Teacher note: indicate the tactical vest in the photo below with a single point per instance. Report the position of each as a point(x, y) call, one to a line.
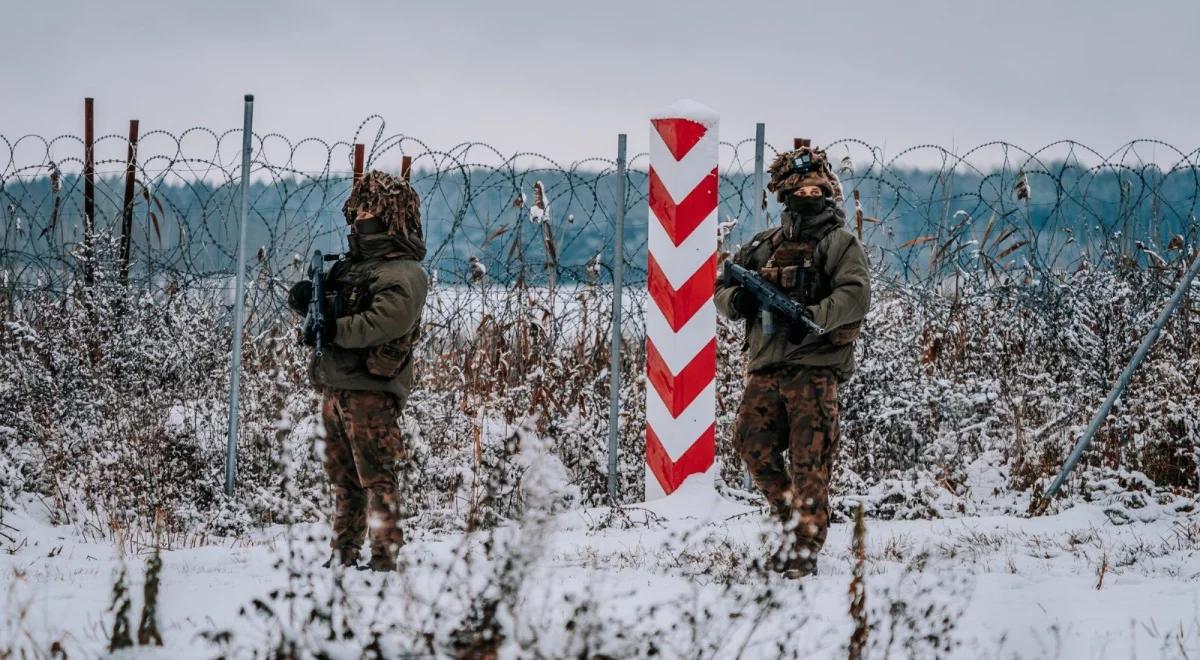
point(385, 360)
point(795, 268)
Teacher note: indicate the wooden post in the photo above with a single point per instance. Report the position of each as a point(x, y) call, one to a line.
point(858, 215)
point(127, 207)
point(801, 142)
point(359, 154)
point(89, 189)
point(406, 168)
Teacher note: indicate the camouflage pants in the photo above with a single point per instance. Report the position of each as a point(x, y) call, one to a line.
point(794, 410)
point(363, 446)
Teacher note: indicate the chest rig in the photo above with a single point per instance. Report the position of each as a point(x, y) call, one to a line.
point(348, 288)
point(351, 294)
point(793, 267)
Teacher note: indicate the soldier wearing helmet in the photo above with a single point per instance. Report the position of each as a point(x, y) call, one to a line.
point(790, 402)
point(373, 301)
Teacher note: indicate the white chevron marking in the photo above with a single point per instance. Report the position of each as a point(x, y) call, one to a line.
point(682, 177)
point(678, 349)
point(679, 434)
point(680, 263)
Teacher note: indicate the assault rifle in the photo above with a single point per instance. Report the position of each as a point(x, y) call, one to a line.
point(771, 299)
point(314, 321)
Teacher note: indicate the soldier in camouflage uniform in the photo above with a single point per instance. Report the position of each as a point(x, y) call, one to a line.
point(373, 301)
point(790, 402)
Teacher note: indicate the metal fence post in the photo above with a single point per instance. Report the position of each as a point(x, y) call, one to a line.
point(239, 307)
point(89, 190)
point(760, 142)
point(1126, 375)
point(614, 375)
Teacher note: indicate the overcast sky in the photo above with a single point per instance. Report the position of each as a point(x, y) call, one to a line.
point(564, 77)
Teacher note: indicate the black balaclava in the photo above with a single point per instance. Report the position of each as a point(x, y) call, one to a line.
point(805, 206)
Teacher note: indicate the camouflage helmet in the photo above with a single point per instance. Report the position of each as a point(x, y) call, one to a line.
point(390, 199)
point(806, 166)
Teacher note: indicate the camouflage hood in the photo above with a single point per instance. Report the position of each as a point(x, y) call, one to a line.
point(382, 205)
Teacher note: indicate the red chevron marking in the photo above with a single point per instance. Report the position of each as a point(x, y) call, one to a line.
point(679, 306)
point(697, 458)
point(679, 134)
point(678, 391)
point(681, 219)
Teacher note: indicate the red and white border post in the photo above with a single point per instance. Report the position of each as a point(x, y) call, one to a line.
point(681, 321)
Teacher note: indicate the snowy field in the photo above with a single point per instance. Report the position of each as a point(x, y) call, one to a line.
point(958, 438)
point(671, 576)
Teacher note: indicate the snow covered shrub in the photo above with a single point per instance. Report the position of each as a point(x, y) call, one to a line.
point(314, 615)
point(1052, 350)
point(114, 400)
point(1009, 374)
point(731, 369)
point(114, 407)
point(916, 614)
point(539, 354)
point(470, 601)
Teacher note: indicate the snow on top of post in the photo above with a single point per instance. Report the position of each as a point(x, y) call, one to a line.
point(688, 109)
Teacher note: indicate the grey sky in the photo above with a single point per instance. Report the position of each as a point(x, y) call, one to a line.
point(563, 77)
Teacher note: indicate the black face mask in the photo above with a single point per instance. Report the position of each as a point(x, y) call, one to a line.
point(805, 206)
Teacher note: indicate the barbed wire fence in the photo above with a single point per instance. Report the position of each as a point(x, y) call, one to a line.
point(928, 212)
point(936, 222)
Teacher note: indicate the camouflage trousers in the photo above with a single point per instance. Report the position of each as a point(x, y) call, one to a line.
point(793, 410)
point(363, 447)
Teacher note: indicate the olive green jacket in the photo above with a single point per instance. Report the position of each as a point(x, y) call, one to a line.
point(383, 296)
point(844, 262)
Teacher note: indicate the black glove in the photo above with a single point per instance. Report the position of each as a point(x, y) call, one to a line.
point(798, 330)
point(302, 291)
point(328, 332)
point(300, 295)
point(744, 303)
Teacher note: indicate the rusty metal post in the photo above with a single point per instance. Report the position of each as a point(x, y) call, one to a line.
point(359, 157)
point(801, 142)
point(858, 214)
point(127, 207)
point(89, 189)
point(406, 168)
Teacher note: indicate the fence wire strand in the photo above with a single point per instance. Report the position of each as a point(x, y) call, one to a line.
point(930, 217)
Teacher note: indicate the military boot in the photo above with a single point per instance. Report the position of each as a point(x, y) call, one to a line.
point(800, 568)
point(344, 556)
point(382, 564)
point(792, 562)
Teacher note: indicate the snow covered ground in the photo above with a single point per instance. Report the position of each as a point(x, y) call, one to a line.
point(671, 575)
